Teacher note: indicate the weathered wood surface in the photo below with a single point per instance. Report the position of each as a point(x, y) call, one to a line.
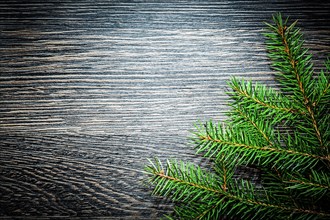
point(89, 89)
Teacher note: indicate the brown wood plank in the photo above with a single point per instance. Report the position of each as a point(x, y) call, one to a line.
point(90, 89)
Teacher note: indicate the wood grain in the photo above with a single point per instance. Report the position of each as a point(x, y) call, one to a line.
point(90, 89)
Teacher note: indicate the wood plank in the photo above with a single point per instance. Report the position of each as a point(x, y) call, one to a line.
point(90, 89)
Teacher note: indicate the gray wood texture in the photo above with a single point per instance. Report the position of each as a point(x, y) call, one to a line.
point(89, 89)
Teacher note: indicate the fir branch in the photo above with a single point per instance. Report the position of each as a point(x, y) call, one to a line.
point(262, 96)
point(178, 176)
point(322, 95)
point(278, 207)
point(296, 69)
point(284, 134)
point(316, 186)
point(223, 171)
point(262, 127)
point(216, 139)
point(187, 184)
point(233, 194)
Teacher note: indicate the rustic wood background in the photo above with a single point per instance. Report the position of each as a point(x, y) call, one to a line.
point(89, 89)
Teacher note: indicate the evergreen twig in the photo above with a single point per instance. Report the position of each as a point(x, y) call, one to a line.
point(293, 163)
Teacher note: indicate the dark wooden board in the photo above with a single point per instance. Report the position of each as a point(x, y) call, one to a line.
point(89, 89)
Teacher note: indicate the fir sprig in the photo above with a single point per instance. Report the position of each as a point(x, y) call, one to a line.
point(283, 134)
point(295, 72)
